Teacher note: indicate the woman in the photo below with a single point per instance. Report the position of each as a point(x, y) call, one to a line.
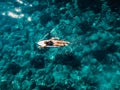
point(53, 42)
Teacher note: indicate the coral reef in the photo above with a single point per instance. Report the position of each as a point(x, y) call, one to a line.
point(90, 62)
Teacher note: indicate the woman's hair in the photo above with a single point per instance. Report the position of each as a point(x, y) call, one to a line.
point(49, 43)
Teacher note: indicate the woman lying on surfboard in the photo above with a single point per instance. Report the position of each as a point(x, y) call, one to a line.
point(53, 42)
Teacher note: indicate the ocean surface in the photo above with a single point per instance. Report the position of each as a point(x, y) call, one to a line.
point(91, 61)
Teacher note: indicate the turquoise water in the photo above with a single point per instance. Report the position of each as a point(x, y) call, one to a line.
point(90, 62)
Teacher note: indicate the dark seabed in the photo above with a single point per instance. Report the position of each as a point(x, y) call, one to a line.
point(90, 62)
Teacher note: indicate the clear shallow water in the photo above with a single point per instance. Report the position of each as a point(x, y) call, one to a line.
point(91, 60)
